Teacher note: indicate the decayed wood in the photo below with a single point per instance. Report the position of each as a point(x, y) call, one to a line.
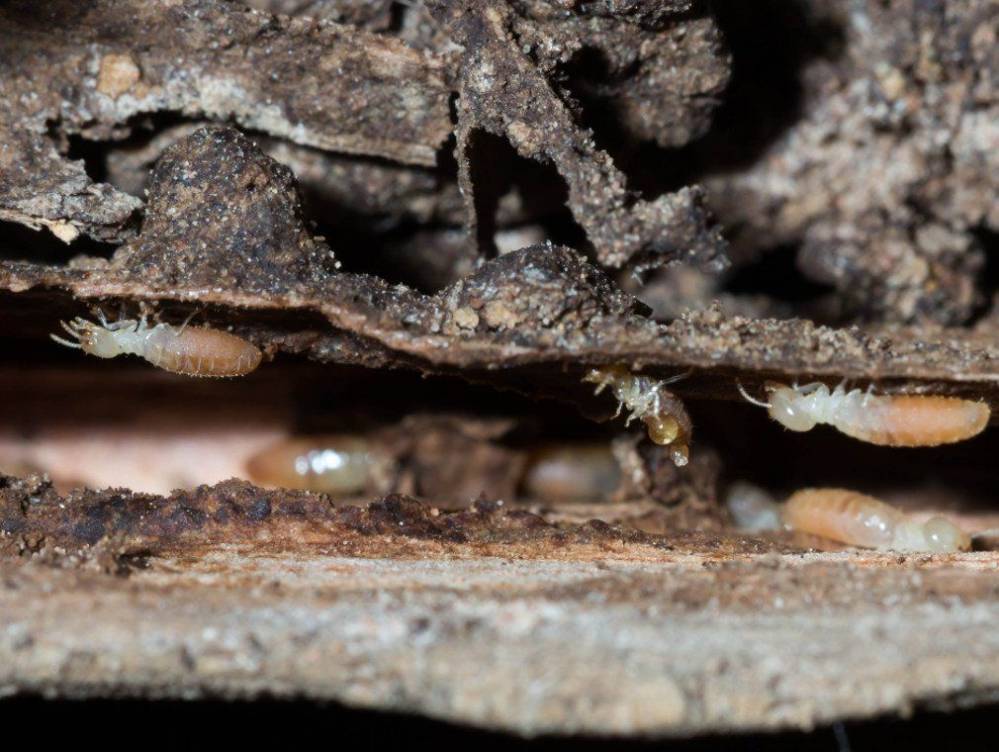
point(490, 617)
point(93, 68)
point(521, 615)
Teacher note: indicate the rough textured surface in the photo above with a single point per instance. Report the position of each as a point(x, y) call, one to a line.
point(197, 58)
point(851, 159)
point(890, 171)
point(658, 77)
point(501, 91)
point(40, 188)
point(357, 200)
point(487, 617)
point(277, 75)
point(223, 220)
point(256, 243)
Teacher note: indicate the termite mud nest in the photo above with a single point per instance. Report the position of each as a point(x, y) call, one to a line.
point(436, 219)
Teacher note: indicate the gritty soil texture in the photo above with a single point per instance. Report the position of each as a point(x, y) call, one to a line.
point(434, 218)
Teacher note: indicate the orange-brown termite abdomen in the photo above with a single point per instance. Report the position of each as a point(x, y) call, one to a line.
point(851, 517)
point(336, 464)
point(200, 351)
point(920, 420)
point(842, 515)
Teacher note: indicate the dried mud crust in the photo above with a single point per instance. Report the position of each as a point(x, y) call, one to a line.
point(887, 180)
point(503, 92)
point(392, 100)
point(489, 616)
point(91, 69)
point(224, 231)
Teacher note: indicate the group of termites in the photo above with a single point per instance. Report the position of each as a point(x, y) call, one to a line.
point(902, 420)
point(887, 420)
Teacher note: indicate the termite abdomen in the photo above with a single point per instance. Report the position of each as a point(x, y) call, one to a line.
point(752, 509)
point(337, 464)
point(918, 420)
point(567, 472)
point(860, 520)
point(200, 351)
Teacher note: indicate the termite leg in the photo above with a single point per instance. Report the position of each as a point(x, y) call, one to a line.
point(810, 387)
point(186, 322)
point(869, 392)
point(66, 342)
point(145, 311)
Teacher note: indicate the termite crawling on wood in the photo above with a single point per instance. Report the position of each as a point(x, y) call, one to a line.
point(335, 464)
point(666, 419)
point(845, 516)
point(187, 350)
point(571, 472)
point(897, 420)
point(859, 520)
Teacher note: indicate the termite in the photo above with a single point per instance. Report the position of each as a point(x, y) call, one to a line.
point(571, 472)
point(859, 520)
point(336, 464)
point(898, 420)
point(666, 419)
point(752, 509)
point(187, 350)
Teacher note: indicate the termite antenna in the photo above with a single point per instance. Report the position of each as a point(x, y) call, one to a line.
point(677, 377)
point(749, 399)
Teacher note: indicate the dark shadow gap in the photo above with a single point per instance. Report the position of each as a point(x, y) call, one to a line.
point(775, 273)
point(301, 722)
point(771, 43)
point(91, 153)
point(988, 240)
point(21, 243)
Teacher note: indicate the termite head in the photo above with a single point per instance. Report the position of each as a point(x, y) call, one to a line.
point(943, 535)
point(936, 535)
point(787, 407)
point(92, 338)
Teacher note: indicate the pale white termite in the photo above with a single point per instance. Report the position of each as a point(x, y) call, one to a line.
point(666, 419)
point(897, 420)
point(859, 520)
point(752, 508)
point(188, 350)
point(336, 464)
point(571, 472)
